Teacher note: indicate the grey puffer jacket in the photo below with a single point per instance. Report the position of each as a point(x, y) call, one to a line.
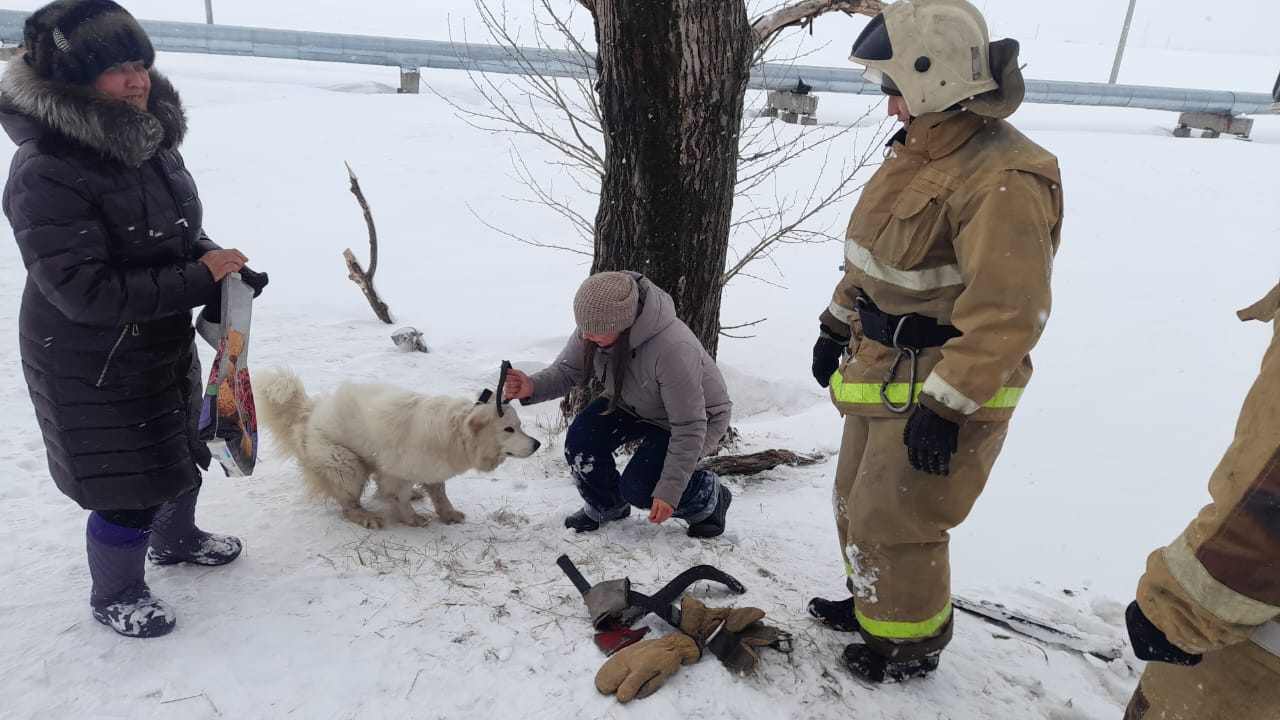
point(671, 382)
point(108, 222)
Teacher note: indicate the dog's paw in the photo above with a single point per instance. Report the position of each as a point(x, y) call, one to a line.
point(363, 518)
point(414, 519)
point(452, 517)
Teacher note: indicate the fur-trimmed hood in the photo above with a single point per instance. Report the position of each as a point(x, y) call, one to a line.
point(35, 108)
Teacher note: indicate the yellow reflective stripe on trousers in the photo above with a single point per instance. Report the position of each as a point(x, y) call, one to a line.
point(869, 393)
point(904, 630)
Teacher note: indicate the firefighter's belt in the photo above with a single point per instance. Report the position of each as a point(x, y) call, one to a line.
point(902, 331)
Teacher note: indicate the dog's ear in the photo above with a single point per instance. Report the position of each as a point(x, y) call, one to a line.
point(476, 422)
point(484, 397)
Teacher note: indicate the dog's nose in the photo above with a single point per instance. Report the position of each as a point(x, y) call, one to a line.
point(536, 445)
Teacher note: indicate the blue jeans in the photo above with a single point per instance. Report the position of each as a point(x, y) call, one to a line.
point(589, 445)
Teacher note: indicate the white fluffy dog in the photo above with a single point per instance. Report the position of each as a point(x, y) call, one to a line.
point(396, 437)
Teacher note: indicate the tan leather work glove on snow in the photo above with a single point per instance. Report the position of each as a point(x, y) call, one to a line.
point(734, 635)
point(638, 671)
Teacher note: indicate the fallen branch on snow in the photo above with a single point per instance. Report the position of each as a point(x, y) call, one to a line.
point(357, 274)
point(758, 462)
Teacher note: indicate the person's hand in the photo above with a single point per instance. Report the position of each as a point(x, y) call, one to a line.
point(223, 262)
point(931, 440)
point(1150, 642)
point(660, 511)
point(826, 355)
point(518, 386)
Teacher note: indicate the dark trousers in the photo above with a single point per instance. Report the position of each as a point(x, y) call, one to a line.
point(589, 445)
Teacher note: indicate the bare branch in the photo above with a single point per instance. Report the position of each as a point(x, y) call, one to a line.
point(363, 279)
point(526, 241)
point(803, 12)
point(758, 462)
point(781, 219)
point(739, 326)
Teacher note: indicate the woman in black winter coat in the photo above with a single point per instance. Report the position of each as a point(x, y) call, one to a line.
point(109, 225)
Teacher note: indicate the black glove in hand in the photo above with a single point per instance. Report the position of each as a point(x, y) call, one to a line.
point(254, 279)
point(1150, 642)
point(931, 440)
point(826, 356)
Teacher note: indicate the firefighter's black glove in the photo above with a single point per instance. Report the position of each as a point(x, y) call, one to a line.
point(254, 279)
point(931, 440)
point(826, 355)
point(1150, 642)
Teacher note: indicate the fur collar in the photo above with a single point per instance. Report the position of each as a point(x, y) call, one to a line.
point(112, 129)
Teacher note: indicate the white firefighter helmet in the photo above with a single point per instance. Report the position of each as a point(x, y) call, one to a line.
point(932, 52)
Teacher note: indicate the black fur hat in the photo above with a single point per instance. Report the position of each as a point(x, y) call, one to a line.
point(75, 41)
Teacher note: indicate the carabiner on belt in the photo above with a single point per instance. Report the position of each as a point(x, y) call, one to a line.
point(903, 351)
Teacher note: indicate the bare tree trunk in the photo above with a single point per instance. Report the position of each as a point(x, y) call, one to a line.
point(672, 77)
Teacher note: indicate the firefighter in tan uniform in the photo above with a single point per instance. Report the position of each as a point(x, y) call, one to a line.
point(947, 266)
point(1207, 612)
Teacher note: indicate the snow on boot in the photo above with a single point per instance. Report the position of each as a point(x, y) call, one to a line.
point(175, 537)
point(581, 522)
point(120, 597)
point(835, 614)
point(870, 665)
point(713, 525)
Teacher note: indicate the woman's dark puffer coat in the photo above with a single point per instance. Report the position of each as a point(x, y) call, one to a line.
point(109, 225)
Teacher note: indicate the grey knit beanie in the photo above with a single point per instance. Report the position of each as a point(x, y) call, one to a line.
point(606, 303)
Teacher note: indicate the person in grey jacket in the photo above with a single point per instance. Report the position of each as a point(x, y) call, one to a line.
point(660, 387)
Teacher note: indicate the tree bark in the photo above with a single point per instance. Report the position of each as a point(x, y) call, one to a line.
point(672, 77)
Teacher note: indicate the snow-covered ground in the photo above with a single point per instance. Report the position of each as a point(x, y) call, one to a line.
point(1138, 380)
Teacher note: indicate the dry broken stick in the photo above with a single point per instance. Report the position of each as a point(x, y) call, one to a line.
point(758, 462)
point(357, 274)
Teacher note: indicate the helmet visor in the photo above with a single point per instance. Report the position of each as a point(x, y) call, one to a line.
point(887, 86)
point(873, 43)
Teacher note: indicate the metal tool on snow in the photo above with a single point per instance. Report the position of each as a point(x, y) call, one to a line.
point(614, 607)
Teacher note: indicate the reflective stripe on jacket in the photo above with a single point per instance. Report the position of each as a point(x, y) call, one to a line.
point(1218, 583)
point(959, 224)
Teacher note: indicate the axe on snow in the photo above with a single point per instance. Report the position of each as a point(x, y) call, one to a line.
point(614, 607)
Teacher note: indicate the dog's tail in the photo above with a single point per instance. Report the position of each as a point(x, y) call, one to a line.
point(283, 408)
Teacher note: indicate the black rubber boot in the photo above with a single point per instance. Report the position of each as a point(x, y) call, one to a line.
point(874, 667)
point(120, 597)
point(175, 537)
point(835, 614)
point(581, 522)
point(713, 525)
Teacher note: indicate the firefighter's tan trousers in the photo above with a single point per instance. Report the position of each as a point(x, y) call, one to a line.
point(1241, 682)
point(893, 523)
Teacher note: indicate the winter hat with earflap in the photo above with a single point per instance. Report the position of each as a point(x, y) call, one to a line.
point(606, 303)
point(75, 41)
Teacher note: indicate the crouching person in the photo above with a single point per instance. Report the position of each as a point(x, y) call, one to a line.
point(661, 388)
